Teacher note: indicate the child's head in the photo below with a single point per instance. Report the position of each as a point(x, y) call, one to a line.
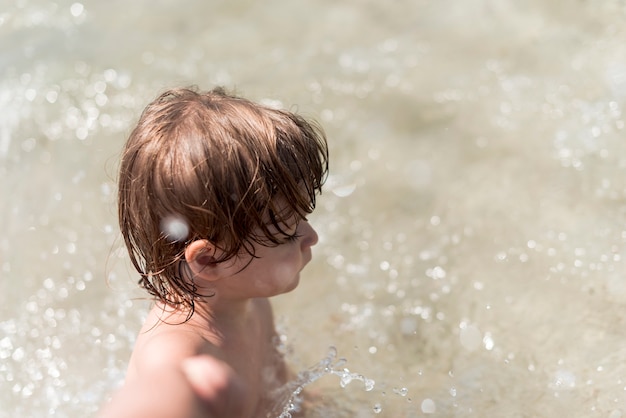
point(216, 167)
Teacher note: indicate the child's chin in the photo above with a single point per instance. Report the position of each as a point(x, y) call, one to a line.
point(293, 284)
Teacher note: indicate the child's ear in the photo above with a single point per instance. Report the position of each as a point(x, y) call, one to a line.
point(201, 256)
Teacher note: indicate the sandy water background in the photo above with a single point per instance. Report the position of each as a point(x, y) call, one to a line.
point(472, 243)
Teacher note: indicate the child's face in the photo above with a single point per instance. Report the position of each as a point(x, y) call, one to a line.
point(275, 270)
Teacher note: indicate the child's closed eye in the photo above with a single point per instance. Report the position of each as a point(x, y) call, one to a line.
point(294, 237)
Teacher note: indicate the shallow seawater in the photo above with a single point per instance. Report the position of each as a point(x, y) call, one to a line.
point(472, 252)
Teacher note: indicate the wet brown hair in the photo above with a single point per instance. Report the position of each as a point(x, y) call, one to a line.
point(217, 164)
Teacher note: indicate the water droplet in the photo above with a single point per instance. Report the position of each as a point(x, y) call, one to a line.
point(77, 9)
point(175, 228)
point(344, 190)
point(428, 406)
point(408, 325)
point(29, 144)
point(18, 354)
point(488, 342)
point(563, 380)
point(471, 337)
point(401, 391)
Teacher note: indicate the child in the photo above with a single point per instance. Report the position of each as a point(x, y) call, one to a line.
point(214, 191)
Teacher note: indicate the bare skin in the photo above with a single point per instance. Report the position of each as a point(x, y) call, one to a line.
point(223, 362)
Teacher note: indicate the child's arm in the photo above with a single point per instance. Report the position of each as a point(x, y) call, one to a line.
point(203, 387)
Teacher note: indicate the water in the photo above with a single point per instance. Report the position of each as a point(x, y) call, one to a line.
point(472, 243)
point(290, 396)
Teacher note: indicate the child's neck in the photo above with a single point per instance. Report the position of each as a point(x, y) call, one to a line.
point(229, 314)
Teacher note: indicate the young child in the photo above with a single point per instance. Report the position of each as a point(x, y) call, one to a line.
point(214, 191)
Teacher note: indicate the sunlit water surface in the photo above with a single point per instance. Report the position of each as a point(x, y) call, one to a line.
point(472, 245)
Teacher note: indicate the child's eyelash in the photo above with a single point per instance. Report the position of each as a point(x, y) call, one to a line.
point(294, 237)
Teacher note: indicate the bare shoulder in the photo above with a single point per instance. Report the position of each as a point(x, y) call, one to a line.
point(162, 346)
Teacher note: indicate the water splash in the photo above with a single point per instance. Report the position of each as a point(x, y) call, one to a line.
point(288, 396)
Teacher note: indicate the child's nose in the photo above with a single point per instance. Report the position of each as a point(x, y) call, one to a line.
point(309, 236)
